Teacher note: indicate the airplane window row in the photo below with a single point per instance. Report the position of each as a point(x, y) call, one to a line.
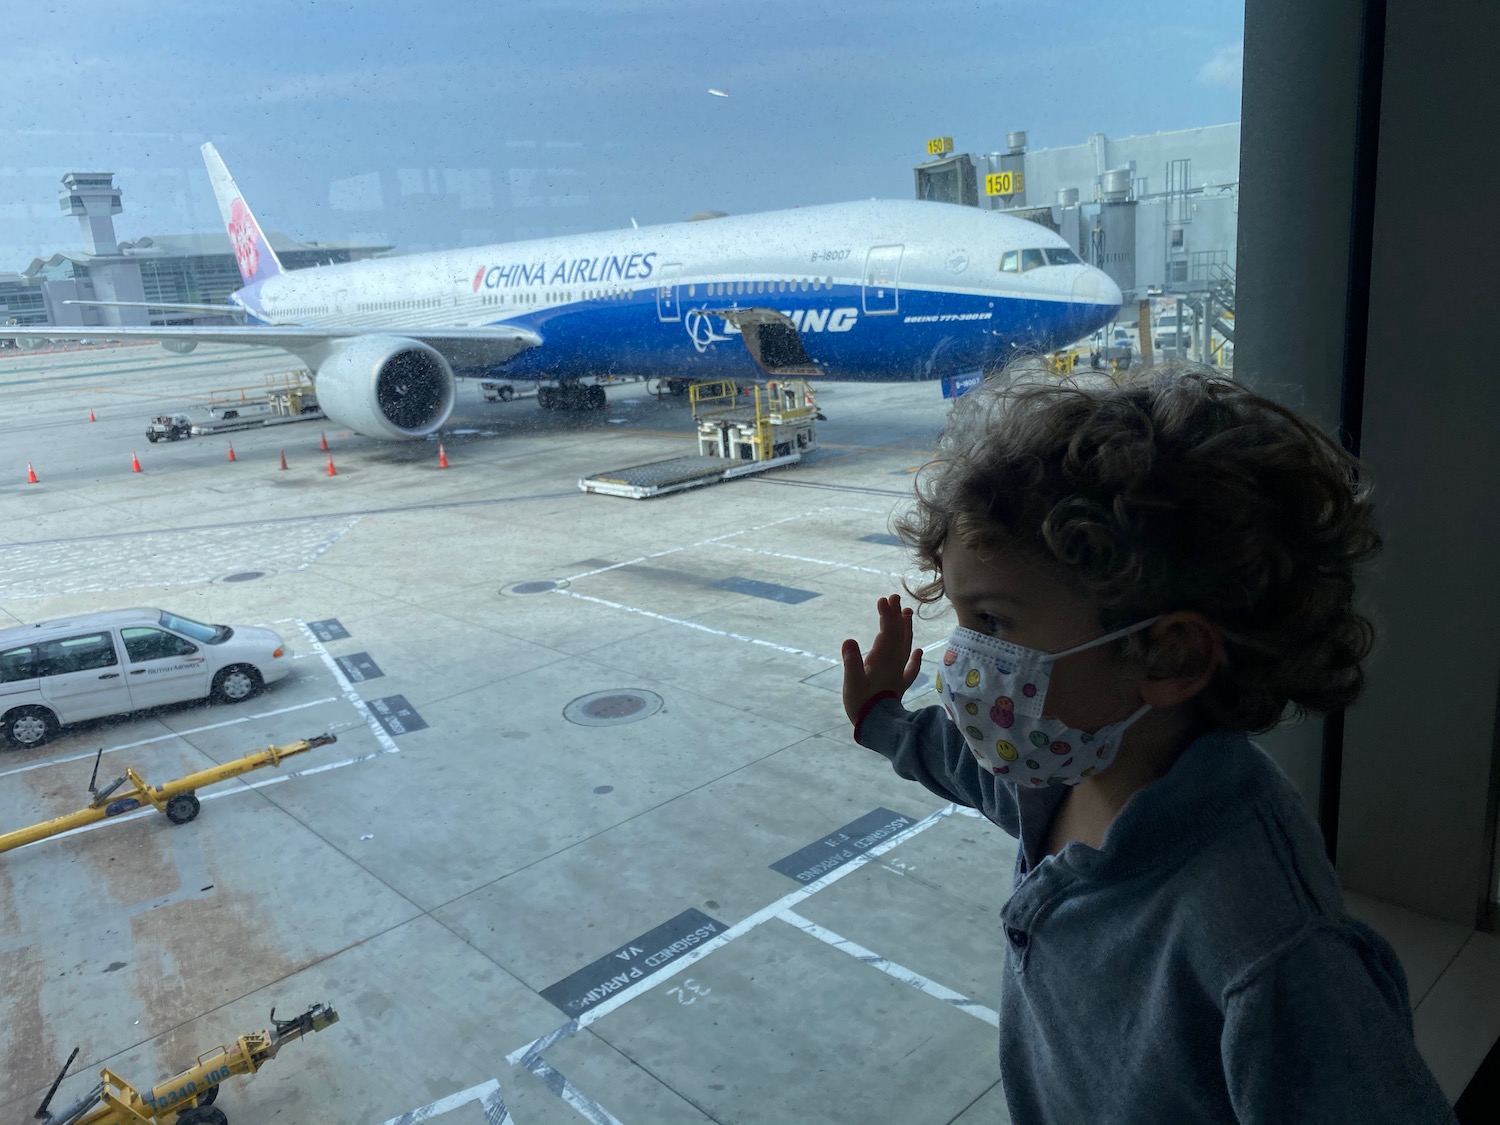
point(524, 298)
point(738, 288)
point(308, 310)
point(398, 306)
point(1019, 261)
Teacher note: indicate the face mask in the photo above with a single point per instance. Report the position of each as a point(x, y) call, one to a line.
point(994, 692)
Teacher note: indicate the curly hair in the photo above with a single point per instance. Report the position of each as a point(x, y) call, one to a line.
point(1175, 489)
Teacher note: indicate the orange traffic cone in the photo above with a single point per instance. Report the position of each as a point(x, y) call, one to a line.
point(242, 396)
point(31, 474)
point(232, 457)
point(91, 416)
point(323, 442)
point(442, 457)
point(135, 462)
point(331, 470)
point(283, 459)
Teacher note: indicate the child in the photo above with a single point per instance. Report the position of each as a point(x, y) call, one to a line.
point(1143, 575)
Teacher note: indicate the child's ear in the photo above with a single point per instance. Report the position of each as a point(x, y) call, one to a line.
point(1183, 651)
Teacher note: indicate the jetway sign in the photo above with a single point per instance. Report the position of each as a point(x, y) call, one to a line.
point(939, 146)
point(1004, 183)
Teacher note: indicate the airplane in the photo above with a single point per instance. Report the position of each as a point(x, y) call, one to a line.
point(881, 291)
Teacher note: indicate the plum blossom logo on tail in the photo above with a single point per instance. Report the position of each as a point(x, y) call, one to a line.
point(244, 236)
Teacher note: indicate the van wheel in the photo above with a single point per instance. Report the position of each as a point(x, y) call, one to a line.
point(182, 808)
point(26, 727)
point(237, 683)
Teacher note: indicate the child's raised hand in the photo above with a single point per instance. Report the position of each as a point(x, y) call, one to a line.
point(892, 664)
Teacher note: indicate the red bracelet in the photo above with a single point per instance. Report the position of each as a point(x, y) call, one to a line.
point(869, 706)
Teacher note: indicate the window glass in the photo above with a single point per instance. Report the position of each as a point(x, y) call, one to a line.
point(1061, 256)
point(144, 643)
point(1031, 259)
point(1010, 261)
point(208, 634)
point(18, 664)
point(78, 654)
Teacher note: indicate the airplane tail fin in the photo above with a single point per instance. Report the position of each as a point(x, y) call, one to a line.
point(257, 261)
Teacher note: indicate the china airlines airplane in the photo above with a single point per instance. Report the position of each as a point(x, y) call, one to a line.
point(880, 291)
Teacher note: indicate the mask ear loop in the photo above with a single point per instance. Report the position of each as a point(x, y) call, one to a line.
point(1097, 641)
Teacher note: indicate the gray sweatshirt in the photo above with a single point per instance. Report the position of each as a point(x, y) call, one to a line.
point(1198, 968)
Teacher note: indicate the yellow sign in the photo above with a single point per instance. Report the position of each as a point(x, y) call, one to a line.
point(1004, 183)
point(939, 146)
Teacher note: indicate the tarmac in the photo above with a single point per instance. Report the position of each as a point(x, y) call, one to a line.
point(594, 840)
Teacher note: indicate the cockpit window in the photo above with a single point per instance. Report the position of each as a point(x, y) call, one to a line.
point(1010, 262)
point(1061, 256)
point(1031, 259)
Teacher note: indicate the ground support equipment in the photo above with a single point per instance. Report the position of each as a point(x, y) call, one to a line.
point(187, 1098)
point(775, 427)
point(176, 800)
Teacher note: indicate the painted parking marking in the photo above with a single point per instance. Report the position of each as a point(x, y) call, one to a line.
point(328, 629)
point(751, 587)
point(634, 961)
point(890, 968)
point(353, 697)
point(806, 865)
point(831, 563)
point(359, 667)
point(883, 538)
point(487, 1094)
point(396, 715)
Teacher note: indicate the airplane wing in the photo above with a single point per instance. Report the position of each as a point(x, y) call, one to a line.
point(494, 343)
point(237, 310)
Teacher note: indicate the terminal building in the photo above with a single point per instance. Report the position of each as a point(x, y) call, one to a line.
point(1159, 213)
point(173, 269)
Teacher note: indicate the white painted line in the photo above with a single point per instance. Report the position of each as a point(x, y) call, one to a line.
point(737, 930)
point(716, 538)
point(487, 1094)
point(329, 542)
point(590, 1110)
point(387, 743)
point(790, 649)
point(890, 968)
point(805, 559)
point(169, 736)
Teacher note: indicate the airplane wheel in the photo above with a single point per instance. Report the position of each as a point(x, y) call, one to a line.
point(598, 400)
point(544, 397)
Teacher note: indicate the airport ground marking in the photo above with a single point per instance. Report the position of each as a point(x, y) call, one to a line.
point(789, 649)
point(560, 1085)
point(891, 969)
point(168, 736)
point(714, 539)
point(532, 1051)
point(387, 743)
point(806, 559)
point(487, 1094)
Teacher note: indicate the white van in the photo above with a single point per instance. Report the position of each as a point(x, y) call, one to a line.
point(76, 668)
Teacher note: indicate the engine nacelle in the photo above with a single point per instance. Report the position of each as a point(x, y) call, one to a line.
point(178, 347)
point(386, 386)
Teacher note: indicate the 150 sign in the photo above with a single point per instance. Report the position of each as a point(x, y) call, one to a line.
point(1004, 183)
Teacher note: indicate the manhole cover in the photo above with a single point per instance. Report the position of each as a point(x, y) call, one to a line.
point(534, 586)
point(611, 708)
point(244, 576)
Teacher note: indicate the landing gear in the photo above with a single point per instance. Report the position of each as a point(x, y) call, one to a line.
point(571, 395)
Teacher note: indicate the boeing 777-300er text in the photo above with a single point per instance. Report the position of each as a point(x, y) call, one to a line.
point(879, 291)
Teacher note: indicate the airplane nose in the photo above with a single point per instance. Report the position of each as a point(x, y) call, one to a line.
point(1095, 287)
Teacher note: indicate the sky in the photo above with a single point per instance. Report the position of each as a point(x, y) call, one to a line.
point(463, 122)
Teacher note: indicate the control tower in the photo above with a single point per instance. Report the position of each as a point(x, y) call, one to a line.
point(93, 199)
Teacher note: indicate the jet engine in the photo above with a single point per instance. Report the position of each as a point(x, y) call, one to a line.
point(386, 386)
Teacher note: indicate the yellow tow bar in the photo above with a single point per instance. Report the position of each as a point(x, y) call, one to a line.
point(175, 800)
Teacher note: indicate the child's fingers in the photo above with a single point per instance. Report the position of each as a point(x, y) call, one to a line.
point(913, 667)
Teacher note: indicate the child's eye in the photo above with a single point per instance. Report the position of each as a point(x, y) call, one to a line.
point(988, 623)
